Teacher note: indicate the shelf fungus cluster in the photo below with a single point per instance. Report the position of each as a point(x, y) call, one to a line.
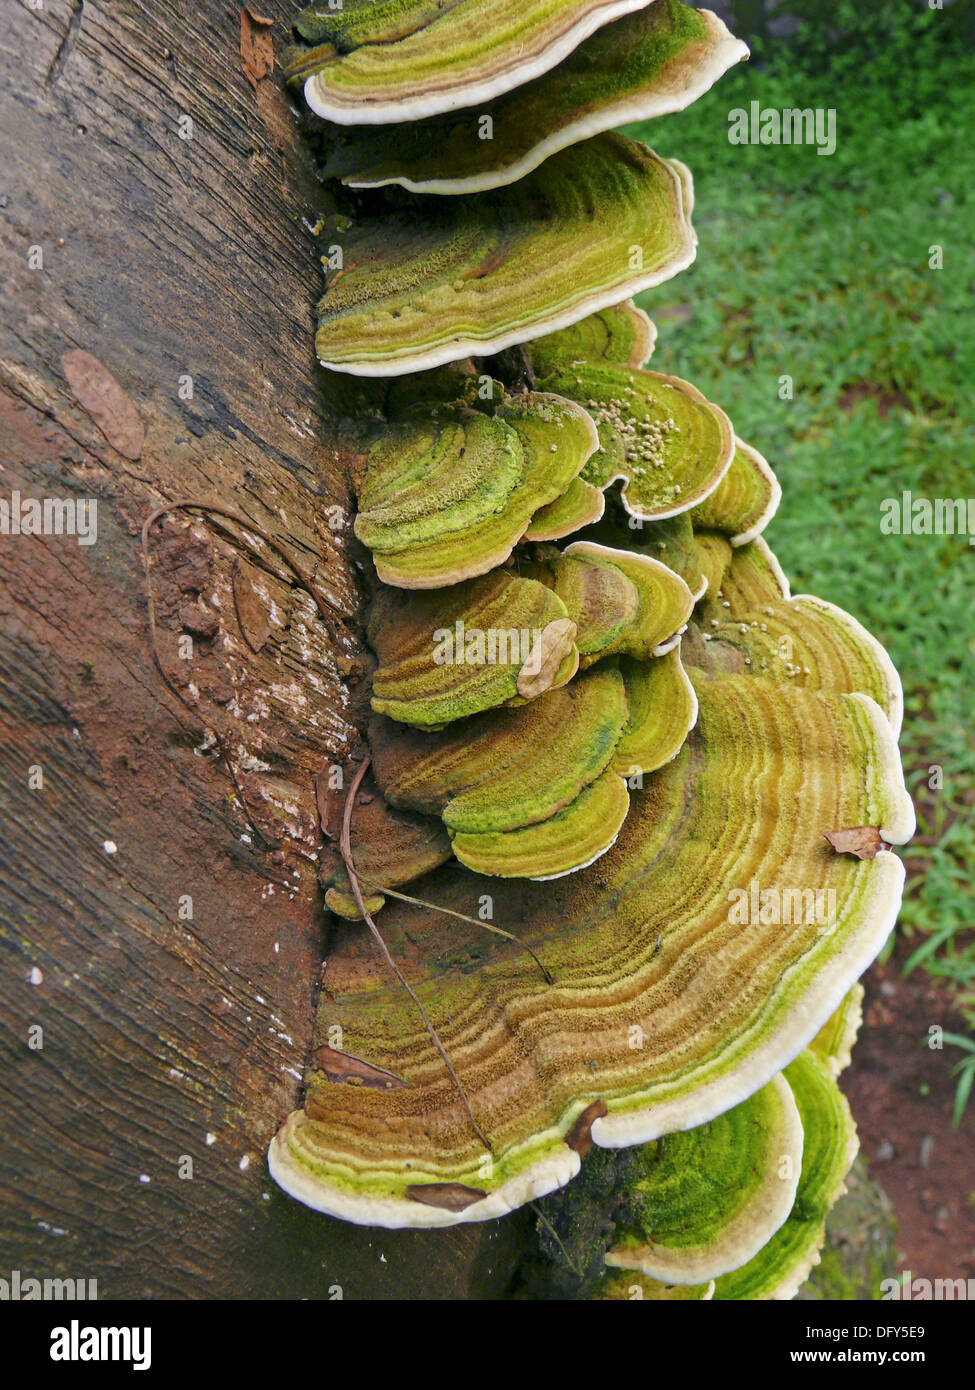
point(736, 1208)
point(606, 743)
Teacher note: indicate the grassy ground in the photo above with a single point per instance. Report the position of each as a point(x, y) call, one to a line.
point(818, 268)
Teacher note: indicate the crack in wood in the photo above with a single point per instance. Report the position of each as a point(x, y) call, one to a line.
point(66, 45)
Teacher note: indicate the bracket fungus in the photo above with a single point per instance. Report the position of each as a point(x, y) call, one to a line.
point(672, 541)
point(658, 435)
point(406, 59)
point(550, 779)
point(668, 445)
point(708, 1199)
point(448, 493)
point(745, 500)
point(526, 792)
point(781, 1266)
point(445, 654)
point(801, 641)
point(739, 1202)
point(476, 275)
point(670, 749)
point(644, 940)
point(580, 505)
point(622, 335)
point(621, 603)
point(646, 64)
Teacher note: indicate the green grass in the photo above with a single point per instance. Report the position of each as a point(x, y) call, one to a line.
point(817, 268)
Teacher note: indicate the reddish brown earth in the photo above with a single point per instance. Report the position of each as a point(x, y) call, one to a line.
point(902, 1093)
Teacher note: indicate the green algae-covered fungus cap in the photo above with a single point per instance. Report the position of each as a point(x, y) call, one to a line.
point(646, 64)
point(707, 1199)
point(449, 653)
point(524, 792)
point(550, 784)
point(621, 603)
point(378, 61)
point(448, 492)
point(667, 444)
point(580, 505)
point(784, 1263)
point(433, 281)
point(745, 500)
point(622, 336)
point(754, 626)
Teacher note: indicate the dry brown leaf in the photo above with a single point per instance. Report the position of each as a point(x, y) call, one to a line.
point(453, 1196)
point(329, 804)
point(256, 45)
point(342, 1066)
point(862, 840)
point(252, 613)
point(102, 397)
point(579, 1136)
point(550, 649)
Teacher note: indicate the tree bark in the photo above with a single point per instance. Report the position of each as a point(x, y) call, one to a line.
point(162, 921)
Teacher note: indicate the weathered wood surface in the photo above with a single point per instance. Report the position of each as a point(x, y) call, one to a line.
point(167, 1037)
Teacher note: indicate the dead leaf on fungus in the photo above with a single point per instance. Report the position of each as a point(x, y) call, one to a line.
point(102, 397)
point(549, 650)
point(862, 840)
point(256, 45)
point(454, 1196)
point(342, 1066)
point(579, 1136)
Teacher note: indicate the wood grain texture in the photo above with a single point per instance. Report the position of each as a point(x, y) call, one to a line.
point(164, 258)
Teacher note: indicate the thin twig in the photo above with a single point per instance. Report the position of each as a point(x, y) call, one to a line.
point(558, 1239)
point(345, 845)
point(449, 912)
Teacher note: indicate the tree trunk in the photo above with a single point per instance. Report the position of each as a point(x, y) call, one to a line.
point(162, 920)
